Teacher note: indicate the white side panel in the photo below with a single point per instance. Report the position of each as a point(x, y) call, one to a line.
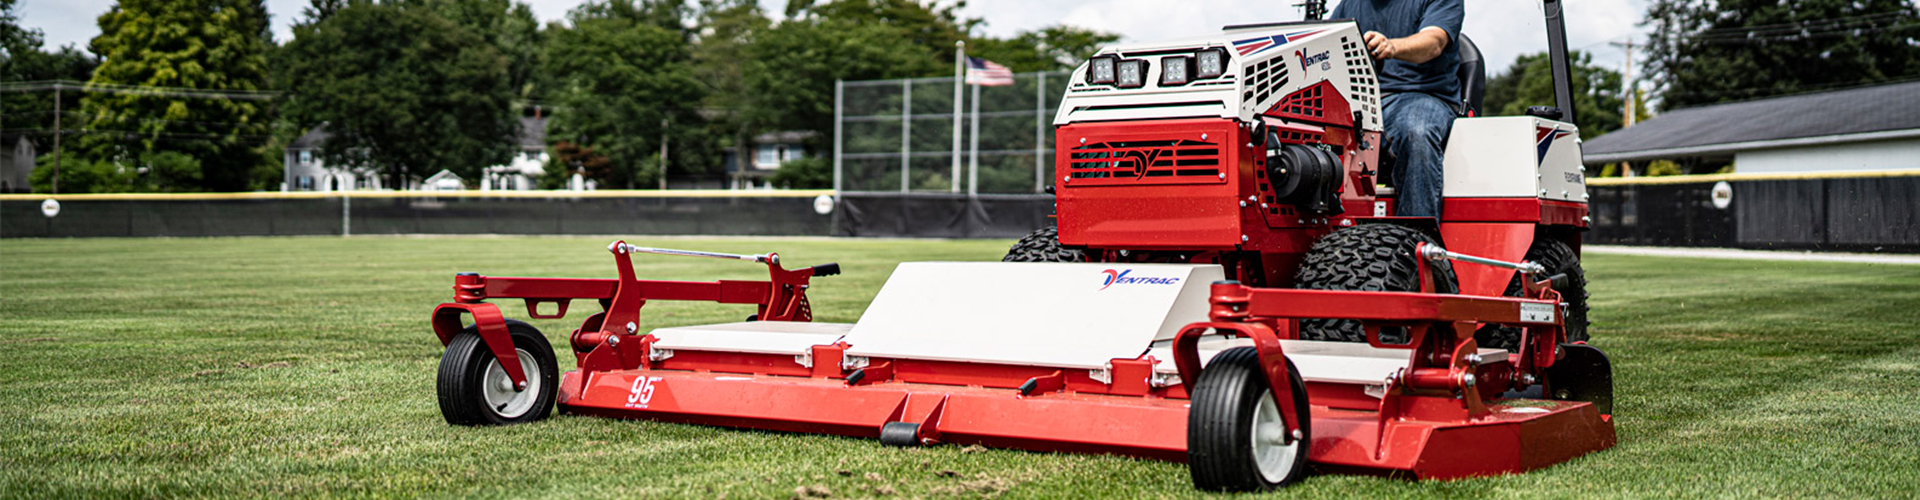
point(1041, 314)
point(1514, 157)
point(1896, 154)
point(763, 337)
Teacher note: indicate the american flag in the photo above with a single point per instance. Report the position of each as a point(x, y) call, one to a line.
point(987, 73)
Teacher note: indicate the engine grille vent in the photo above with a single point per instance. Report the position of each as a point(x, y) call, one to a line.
point(1179, 161)
point(1362, 91)
point(1263, 80)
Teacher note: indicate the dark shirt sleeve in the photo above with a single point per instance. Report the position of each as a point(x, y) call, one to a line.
point(1443, 14)
point(1339, 11)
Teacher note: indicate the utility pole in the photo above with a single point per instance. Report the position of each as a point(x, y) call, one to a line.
point(1633, 91)
point(1315, 9)
point(57, 132)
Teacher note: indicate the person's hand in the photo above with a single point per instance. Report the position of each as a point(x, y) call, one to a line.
point(1380, 46)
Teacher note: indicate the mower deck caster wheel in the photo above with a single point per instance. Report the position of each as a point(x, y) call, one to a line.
point(901, 434)
point(1236, 439)
point(475, 390)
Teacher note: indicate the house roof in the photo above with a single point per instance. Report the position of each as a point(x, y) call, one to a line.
point(1848, 115)
point(532, 134)
point(312, 139)
point(784, 137)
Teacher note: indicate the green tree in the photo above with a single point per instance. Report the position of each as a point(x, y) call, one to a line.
point(623, 82)
point(928, 28)
point(792, 67)
point(401, 90)
point(507, 24)
point(1598, 93)
point(30, 114)
point(209, 45)
point(1054, 48)
point(1708, 51)
point(726, 35)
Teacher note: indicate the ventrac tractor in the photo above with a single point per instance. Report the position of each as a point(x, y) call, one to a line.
point(1227, 286)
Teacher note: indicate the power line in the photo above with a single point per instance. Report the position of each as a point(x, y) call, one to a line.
point(146, 90)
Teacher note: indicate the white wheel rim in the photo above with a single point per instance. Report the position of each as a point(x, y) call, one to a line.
point(1271, 451)
point(498, 387)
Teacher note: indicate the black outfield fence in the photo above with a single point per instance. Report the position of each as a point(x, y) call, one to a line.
point(1856, 211)
point(1863, 211)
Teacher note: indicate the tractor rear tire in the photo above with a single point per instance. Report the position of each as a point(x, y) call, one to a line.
point(1558, 258)
point(474, 390)
point(1232, 443)
point(1368, 257)
point(1043, 245)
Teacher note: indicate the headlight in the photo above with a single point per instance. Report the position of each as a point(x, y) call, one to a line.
point(1173, 70)
point(1100, 70)
point(1210, 63)
point(1131, 73)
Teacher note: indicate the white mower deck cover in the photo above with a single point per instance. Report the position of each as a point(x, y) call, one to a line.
point(1040, 314)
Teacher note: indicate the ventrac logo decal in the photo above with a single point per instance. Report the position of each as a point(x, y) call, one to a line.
point(1139, 161)
point(1121, 278)
point(1307, 62)
point(1545, 137)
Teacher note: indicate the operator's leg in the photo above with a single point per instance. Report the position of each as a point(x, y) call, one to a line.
point(1417, 126)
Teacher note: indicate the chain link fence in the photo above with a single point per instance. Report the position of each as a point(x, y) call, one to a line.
point(898, 135)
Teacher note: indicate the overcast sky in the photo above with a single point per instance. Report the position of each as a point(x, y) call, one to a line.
point(1503, 29)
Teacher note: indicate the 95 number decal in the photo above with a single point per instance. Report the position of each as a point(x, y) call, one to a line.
point(641, 393)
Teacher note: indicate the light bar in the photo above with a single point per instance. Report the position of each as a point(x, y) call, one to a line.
point(1130, 73)
point(1100, 70)
point(1210, 63)
point(1175, 70)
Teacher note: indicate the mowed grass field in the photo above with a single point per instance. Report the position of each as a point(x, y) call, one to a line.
point(305, 367)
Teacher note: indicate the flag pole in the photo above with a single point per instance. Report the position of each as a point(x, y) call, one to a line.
point(959, 79)
point(973, 147)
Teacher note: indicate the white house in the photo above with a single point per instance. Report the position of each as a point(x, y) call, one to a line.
point(16, 164)
point(1858, 129)
point(770, 150)
point(305, 171)
point(529, 159)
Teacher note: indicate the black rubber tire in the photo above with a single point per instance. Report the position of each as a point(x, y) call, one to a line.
point(1220, 424)
point(1369, 257)
point(464, 365)
point(900, 434)
point(1042, 245)
point(1558, 258)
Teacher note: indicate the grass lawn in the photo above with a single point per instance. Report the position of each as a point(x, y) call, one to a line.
point(305, 366)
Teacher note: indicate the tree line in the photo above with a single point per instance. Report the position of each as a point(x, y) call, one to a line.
point(406, 88)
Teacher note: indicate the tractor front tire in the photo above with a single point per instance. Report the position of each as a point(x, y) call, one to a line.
point(1043, 245)
point(1235, 437)
point(475, 390)
point(1368, 257)
point(1558, 258)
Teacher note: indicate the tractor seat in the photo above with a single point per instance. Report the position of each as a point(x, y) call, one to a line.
point(1473, 79)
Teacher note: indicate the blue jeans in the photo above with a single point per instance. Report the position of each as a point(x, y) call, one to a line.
point(1417, 126)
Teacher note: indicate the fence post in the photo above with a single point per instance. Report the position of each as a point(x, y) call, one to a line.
point(839, 93)
point(973, 147)
point(906, 131)
point(1040, 133)
point(346, 214)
